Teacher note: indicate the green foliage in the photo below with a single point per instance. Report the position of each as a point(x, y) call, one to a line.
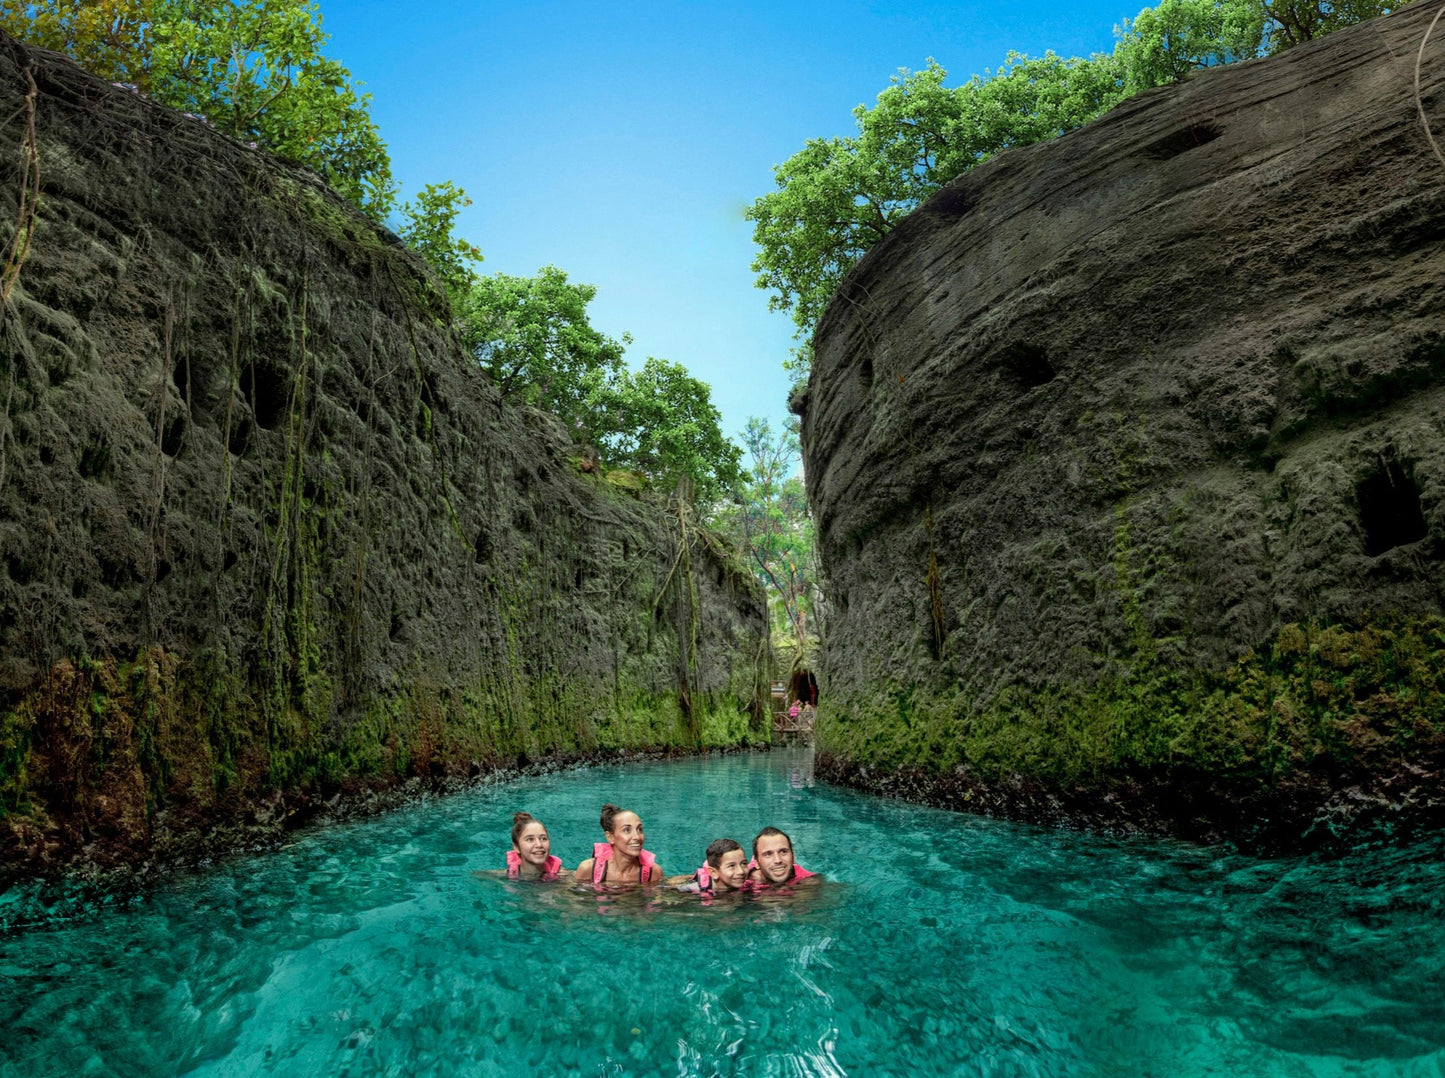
point(428, 229)
point(534, 337)
point(660, 421)
point(1164, 43)
point(1292, 22)
point(1322, 698)
point(769, 521)
point(835, 198)
point(253, 68)
point(109, 37)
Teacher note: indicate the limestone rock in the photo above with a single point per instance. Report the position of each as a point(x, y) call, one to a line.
point(265, 529)
point(1141, 396)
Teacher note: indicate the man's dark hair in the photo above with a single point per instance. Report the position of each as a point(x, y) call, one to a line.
point(720, 847)
point(764, 833)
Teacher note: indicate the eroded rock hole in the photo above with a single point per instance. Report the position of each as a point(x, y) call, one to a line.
point(950, 202)
point(240, 437)
point(483, 547)
point(1027, 365)
point(267, 391)
point(1182, 141)
point(1390, 509)
point(95, 459)
point(865, 373)
point(173, 436)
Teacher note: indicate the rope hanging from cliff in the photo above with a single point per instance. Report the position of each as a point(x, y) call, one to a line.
point(1419, 102)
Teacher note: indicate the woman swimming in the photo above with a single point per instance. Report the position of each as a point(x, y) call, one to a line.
point(621, 859)
point(530, 857)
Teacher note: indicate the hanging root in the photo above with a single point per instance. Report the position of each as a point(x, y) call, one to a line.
point(19, 247)
point(1419, 102)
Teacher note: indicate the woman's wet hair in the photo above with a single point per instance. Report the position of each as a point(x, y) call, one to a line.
point(719, 848)
point(764, 833)
point(520, 820)
point(609, 814)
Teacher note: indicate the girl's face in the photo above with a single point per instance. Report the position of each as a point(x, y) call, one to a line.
point(626, 834)
point(732, 870)
point(533, 845)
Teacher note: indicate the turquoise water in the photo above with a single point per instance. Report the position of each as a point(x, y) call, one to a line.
point(942, 944)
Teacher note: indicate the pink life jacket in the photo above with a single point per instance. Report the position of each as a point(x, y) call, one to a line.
point(550, 869)
point(799, 873)
point(602, 853)
point(703, 878)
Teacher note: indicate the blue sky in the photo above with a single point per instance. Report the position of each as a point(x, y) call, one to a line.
point(623, 142)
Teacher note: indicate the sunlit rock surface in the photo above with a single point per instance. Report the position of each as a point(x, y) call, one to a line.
point(1113, 414)
point(266, 533)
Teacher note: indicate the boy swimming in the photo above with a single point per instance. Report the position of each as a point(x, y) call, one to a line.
point(725, 869)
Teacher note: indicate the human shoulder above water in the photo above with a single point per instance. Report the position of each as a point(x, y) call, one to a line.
point(622, 858)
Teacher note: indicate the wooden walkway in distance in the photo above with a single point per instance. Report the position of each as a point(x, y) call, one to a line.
point(785, 726)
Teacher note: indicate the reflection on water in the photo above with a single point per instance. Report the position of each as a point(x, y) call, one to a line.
point(940, 944)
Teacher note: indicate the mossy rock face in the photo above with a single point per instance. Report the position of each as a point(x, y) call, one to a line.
point(1120, 411)
point(267, 532)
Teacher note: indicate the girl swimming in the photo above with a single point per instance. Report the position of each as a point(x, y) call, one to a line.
point(530, 857)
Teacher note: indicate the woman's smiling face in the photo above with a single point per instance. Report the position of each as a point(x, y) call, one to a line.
point(626, 835)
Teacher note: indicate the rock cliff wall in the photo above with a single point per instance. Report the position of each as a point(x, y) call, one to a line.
point(1127, 453)
point(266, 533)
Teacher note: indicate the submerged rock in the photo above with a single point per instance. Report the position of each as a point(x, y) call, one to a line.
point(267, 534)
point(1127, 454)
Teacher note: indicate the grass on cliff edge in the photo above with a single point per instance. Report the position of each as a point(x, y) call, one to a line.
point(1336, 698)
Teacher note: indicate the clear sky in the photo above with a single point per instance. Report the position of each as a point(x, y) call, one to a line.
point(622, 142)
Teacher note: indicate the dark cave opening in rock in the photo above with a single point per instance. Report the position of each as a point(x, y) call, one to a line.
point(1027, 365)
point(1390, 509)
point(804, 688)
point(268, 392)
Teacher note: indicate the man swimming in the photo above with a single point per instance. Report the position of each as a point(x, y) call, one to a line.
point(773, 864)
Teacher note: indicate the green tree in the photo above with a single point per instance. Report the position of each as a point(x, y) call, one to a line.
point(836, 198)
point(533, 336)
point(1292, 22)
point(661, 422)
point(1164, 43)
point(253, 68)
point(428, 228)
point(109, 37)
point(770, 522)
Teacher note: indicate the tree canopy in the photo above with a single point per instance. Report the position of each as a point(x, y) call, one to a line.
point(835, 198)
point(534, 338)
point(253, 68)
point(769, 521)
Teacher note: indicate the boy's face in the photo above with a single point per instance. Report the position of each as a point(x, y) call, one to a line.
point(732, 870)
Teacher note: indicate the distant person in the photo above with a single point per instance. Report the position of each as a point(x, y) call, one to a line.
point(530, 857)
point(794, 711)
point(621, 859)
point(725, 869)
point(773, 864)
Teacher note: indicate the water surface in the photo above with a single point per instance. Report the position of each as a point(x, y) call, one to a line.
point(941, 944)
